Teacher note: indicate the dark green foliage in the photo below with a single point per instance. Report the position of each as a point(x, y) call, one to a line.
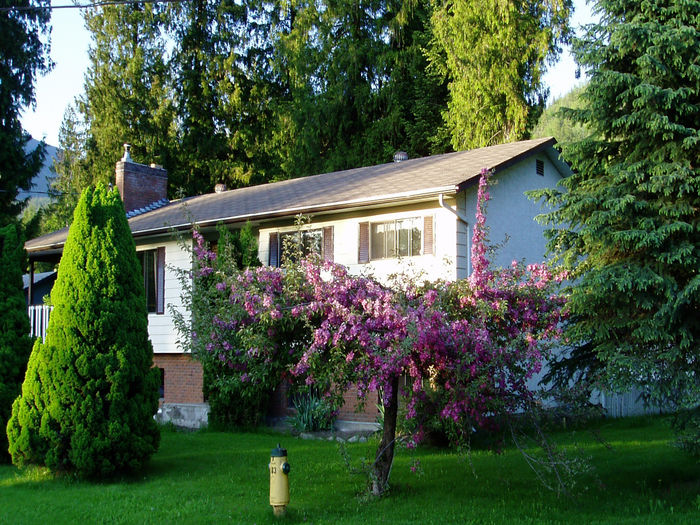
point(126, 94)
point(222, 91)
point(312, 412)
point(627, 221)
point(355, 86)
point(15, 343)
point(90, 392)
point(23, 56)
point(238, 247)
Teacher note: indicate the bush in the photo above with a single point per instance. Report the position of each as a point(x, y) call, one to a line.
point(313, 413)
point(90, 392)
point(15, 343)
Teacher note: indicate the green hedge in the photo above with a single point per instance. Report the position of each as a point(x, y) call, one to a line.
point(15, 343)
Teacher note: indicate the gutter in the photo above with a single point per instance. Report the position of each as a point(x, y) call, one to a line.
point(355, 204)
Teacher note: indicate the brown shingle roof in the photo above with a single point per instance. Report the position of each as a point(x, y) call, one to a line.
point(410, 179)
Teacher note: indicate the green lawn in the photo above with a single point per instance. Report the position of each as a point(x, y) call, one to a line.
point(210, 477)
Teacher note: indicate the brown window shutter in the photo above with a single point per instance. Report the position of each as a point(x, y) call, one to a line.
point(428, 237)
point(328, 243)
point(363, 251)
point(160, 280)
point(274, 259)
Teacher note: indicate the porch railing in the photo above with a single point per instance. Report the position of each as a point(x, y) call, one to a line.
point(39, 320)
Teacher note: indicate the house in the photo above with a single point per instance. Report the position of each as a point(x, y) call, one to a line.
point(410, 214)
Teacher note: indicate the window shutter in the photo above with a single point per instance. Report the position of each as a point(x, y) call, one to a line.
point(160, 280)
point(274, 258)
point(428, 237)
point(328, 243)
point(363, 249)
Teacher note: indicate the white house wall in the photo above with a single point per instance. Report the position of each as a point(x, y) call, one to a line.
point(346, 240)
point(161, 329)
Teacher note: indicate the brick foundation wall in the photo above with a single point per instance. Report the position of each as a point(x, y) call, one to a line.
point(183, 384)
point(183, 378)
point(140, 185)
point(281, 405)
point(367, 415)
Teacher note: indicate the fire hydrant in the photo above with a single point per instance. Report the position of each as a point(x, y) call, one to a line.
point(279, 481)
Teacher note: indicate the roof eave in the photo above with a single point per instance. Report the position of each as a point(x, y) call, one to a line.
point(403, 198)
point(399, 198)
point(510, 162)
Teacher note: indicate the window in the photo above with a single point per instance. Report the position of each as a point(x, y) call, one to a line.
point(161, 388)
point(318, 241)
point(400, 238)
point(153, 270)
point(310, 241)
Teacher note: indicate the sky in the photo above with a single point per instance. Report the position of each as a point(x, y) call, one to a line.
point(69, 51)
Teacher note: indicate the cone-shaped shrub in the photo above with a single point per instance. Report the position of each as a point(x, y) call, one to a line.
point(90, 391)
point(15, 343)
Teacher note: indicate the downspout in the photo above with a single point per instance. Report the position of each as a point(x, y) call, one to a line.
point(463, 219)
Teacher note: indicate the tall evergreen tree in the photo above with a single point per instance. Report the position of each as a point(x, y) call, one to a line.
point(222, 94)
point(23, 56)
point(493, 54)
point(72, 173)
point(90, 391)
point(627, 221)
point(356, 85)
point(127, 97)
point(15, 343)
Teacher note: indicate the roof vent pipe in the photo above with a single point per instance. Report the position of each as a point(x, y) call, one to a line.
point(127, 157)
point(400, 156)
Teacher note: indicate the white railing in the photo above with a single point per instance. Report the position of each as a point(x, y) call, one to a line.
point(39, 320)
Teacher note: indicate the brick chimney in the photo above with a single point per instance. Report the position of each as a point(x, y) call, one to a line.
point(138, 184)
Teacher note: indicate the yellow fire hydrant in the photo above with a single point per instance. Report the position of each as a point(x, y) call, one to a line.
point(279, 481)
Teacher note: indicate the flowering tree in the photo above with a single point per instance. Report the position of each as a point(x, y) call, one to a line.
point(475, 342)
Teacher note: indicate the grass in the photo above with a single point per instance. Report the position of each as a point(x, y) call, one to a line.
point(210, 477)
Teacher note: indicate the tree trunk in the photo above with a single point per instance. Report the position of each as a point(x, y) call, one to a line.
point(385, 452)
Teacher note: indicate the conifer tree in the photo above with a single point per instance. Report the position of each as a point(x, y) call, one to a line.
point(627, 220)
point(554, 123)
point(127, 97)
point(15, 343)
point(494, 54)
point(23, 56)
point(222, 92)
point(90, 391)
